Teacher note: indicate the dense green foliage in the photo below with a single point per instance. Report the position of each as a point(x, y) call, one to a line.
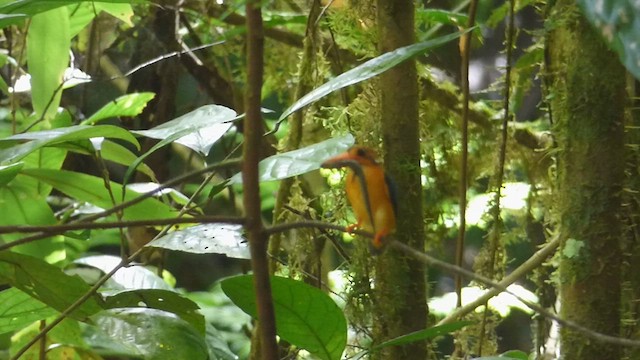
point(102, 103)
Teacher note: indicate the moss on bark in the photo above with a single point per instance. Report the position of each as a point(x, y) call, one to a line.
point(400, 291)
point(588, 106)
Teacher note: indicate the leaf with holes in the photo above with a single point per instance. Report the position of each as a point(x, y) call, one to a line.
point(227, 239)
point(159, 299)
point(305, 316)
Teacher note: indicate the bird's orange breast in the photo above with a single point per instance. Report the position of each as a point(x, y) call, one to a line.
point(382, 210)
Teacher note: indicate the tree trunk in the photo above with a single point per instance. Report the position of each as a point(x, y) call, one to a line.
point(400, 291)
point(588, 104)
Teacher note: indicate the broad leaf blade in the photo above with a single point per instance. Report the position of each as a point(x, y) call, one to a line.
point(224, 239)
point(126, 278)
point(44, 282)
point(91, 189)
point(618, 21)
point(204, 127)
point(48, 44)
point(159, 299)
point(12, 153)
point(152, 334)
point(297, 162)
point(369, 69)
point(305, 316)
point(126, 105)
point(9, 172)
point(17, 310)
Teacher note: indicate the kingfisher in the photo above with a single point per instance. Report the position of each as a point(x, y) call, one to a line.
point(376, 211)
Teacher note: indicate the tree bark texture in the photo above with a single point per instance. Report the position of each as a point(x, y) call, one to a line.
point(587, 86)
point(400, 291)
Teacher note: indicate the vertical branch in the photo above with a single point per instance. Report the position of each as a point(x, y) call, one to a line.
point(465, 48)
point(258, 240)
point(497, 221)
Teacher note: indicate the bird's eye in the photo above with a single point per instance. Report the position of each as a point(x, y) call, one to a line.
point(361, 152)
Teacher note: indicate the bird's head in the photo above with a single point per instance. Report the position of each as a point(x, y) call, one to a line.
point(355, 156)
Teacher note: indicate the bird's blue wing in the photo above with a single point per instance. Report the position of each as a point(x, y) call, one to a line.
point(393, 192)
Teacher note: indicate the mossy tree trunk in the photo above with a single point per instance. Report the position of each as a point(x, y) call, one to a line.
point(400, 291)
point(588, 108)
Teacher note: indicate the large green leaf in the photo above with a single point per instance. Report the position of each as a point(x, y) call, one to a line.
point(618, 21)
point(22, 204)
point(297, 162)
point(48, 44)
point(369, 69)
point(83, 12)
point(47, 283)
point(305, 316)
point(126, 278)
point(11, 152)
point(204, 127)
point(9, 172)
point(150, 333)
point(227, 239)
point(18, 309)
point(125, 105)
point(165, 300)
point(91, 189)
point(33, 7)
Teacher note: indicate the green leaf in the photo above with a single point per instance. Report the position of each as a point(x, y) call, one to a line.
point(44, 282)
point(618, 21)
point(11, 19)
point(305, 316)
point(126, 105)
point(159, 299)
point(217, 345)
point(91, 189)
point(9, 152)
point(33, 7)
point(369, 69)
point(26, 205)
point(152, 334)
point(297, 162)
point(204, 127)
point(425, 334)
point(48, 43)
point(224, 239)
point(121, 155)
point(9, 172)
point(126, 278)
point(120, 10)
point(18, 309)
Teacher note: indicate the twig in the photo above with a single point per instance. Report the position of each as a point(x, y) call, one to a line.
point(465, 48)
point(429, 260)
point(497, 222)
point(50, 230)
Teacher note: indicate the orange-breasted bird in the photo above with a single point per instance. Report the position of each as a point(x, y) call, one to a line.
point(375, 212)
